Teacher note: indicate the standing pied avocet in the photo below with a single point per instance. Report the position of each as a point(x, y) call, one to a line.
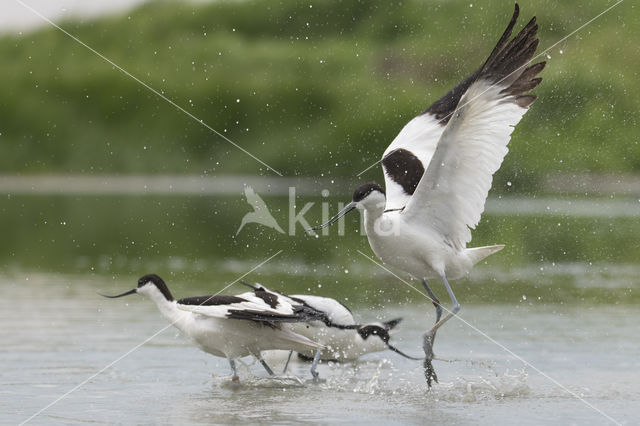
point(230, 326)
point(439, 168)
point(336, 329)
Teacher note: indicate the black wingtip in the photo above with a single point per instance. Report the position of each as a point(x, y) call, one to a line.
point(391, 324)
point(508, 63)
point(443, 108)
point(251, 286)
point(507, 32)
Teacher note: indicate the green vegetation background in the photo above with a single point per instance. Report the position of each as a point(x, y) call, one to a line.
point(314, 88)
point(311, 87)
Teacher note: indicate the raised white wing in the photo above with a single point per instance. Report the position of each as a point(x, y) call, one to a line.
point(404, 161)
point(451, 195)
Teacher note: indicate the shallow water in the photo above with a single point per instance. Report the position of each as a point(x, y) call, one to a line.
point(57, 333)
point(563, 296)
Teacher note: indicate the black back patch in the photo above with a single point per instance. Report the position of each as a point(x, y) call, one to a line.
point(269, 298)
point(404, 168)
point(211, 300)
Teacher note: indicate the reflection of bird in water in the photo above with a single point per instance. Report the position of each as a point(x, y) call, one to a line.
point(439, 169)
point(260, 213)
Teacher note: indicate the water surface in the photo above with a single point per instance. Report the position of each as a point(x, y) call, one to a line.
point(563, 296)
point(57, 333)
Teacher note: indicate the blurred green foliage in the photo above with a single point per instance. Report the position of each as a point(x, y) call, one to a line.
point(311, 87)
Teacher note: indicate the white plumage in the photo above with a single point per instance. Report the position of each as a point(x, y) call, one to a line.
point(451, 195)
point(420, 136)
point(439, 169)
point(332, 325)
point(230, 326)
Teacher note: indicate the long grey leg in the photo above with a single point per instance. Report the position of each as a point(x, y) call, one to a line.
point(431, 334)
point(314, 364)
point(455, 306)
point(429, 338)
point(287, 363)
point(434, 300)
point(235, 377)
point(266, 366)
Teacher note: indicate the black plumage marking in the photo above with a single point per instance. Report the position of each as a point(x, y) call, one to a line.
point(305, 358)
point(505, 64)
point(394, 210)
point(444, 107)
point(403, 168)
point(302, 302)
point(270, 299)
point(506, 58)
point(300, 314)
point(159, 283)
point(375, 330)
point(260, 316)
point(391, 324)
point(319, 315)
point(211, 300)
point(365, 189)
point(296, 299)
point(326, 319)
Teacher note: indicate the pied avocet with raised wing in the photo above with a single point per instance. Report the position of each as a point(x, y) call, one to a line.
point(231, 326)
point(439, 168)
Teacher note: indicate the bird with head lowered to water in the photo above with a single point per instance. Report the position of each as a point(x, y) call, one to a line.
point(336, 329)
point(439, 169)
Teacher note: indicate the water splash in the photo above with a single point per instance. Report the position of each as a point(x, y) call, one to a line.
point(481, 388)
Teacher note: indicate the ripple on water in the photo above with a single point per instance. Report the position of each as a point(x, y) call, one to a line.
point(382, 378)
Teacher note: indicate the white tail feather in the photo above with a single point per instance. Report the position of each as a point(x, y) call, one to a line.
point(476, 254)
point(290, 336)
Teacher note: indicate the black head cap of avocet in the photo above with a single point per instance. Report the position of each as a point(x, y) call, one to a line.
point(146, 284)
point(366, 196)
point(381, 332)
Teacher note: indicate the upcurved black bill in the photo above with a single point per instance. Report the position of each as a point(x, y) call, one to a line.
point(126, 293)
point(344, 211)
point(398, 351)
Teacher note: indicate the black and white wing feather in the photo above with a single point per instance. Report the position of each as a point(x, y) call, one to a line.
point(451, 195)
point(336, 313)
point(407, 157)
point(224, 306)
point(259, 305)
